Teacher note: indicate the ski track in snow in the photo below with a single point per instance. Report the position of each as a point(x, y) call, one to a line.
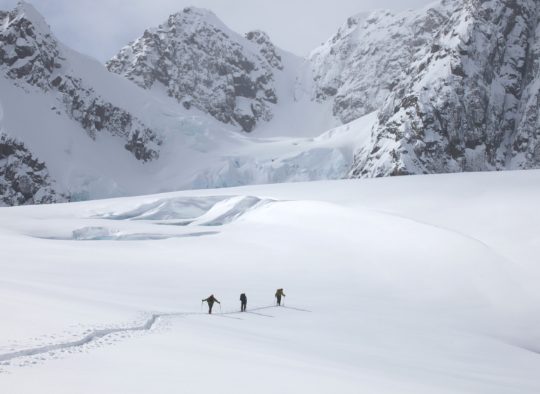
point(259, 314)
point(102, 333)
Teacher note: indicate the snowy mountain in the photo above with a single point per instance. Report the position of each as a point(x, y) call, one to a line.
point(190, 104)
point(465, 99)
point(98, 134)
point(200, 62)
point(43, 85)
point(32, 57)
point(366, 59)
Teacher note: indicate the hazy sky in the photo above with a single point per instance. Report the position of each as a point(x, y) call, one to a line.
point(101, 27)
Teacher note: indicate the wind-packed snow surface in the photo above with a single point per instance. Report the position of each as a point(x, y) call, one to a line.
point(416, 285)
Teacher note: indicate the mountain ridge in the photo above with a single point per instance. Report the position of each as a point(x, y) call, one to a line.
point(238, 88)
point(451, 87)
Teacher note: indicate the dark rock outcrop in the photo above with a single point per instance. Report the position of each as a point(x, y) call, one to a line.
point(471, 102)
point(31, 56)
point(23, 178)
point(202, 64)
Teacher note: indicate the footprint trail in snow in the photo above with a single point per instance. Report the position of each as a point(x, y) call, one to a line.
point(96, 335)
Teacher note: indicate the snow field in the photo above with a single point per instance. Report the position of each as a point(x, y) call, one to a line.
point(414, 285)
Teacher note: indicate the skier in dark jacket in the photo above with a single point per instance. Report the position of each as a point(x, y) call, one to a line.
point(210, 300)
point(243, 302)
point(279, 294)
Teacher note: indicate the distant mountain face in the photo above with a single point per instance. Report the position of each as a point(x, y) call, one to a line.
point(202, 64)
point(448, 88)
point(360, 66)
point(35, 62)
point(456, 86)
point(73, 130)
point(31, 56)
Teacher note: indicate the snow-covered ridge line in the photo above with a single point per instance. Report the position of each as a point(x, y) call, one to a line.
point(466, 101)
point(33, 58)
point(201, 63)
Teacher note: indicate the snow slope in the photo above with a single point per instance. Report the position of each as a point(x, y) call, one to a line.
point(401, 285)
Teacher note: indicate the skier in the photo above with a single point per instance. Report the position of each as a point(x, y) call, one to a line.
point(243, 302)
point(210, 300)
point(279, 293)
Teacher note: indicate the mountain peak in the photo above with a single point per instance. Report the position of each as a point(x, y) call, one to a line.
point(27, 11)
point(202, 12)
point(196, 16)
point(204, 64)
point(28, 50)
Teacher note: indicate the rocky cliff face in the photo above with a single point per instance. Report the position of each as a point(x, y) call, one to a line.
point(369, 56)
point(469, 99)
point(32, 57)
point(202, 64)
point(23, 178)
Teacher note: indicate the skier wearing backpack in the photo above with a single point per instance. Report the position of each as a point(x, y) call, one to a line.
point(243, 302)
point(279, 294)
point(210, 300)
